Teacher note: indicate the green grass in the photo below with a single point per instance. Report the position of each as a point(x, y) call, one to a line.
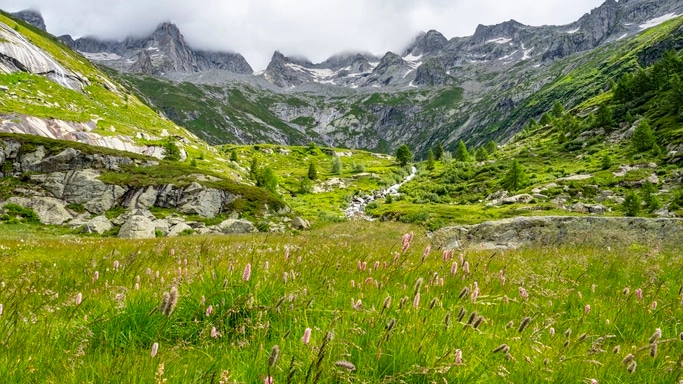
point(310, 281)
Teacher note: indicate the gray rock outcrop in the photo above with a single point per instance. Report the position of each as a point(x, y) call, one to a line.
point(138, 227)
point(51, 211)
point(557, 230)
point(237, 226)
point(32, 17)
point(98, 224)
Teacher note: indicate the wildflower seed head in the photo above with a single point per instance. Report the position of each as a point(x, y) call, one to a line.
point(656, 336)
point(582, 337)
point(307, 336)
point(501, 348)
point(155, 349)
point(462, 313)
point(525, 323)
point(246, 275)
point(639, 294)
point(632, 367)
point(458, 357)
point(418, 285)
point(552, 331)
point(387, 302)
point(628, 358)
point(653, 350)
point(463, 293)
point(446, 320)
point(432, 303)
point(510, 324)
point(626, 291)
point(616, 349)
point(473, 316)
point(274, 355)
point(416, 301)
point(165, 299)
point(345, 365)
point(568, 333)
point(391, 325)
point(478, 322)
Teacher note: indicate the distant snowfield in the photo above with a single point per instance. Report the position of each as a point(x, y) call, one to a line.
point(500, 40)
point(573, 31)
point(411, 59)
point(100, 56)
point(657, 20)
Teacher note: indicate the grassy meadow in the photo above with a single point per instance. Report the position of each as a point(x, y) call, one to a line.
point(378, 307)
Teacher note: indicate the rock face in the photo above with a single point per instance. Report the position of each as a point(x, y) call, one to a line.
point(237, 226)
point(32, 17)
point(137, 227)
point(17, 54)
point(164, 51)
point(51, 211)
point(557, 230)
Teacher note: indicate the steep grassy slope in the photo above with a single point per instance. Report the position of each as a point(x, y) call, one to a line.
point(107, 106)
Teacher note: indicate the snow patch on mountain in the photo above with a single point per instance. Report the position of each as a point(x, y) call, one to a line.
point(500, 40)
point(100, 56)
point(657, 20)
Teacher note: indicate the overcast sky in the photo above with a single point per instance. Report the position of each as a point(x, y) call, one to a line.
point(315, 29)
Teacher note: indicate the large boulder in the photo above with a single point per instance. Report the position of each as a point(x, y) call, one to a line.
point(179, 228)
point(300, 223)
point(98, 224)
point(143, 198)
point(138, 227)
point(50, 211)
point(237, 226)
point(196, 200)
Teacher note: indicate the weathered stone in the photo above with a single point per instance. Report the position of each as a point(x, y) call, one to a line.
point(143, 198)
point(162, 225)
point(98, 224)
point(555, 230)
point(28, 160)
point(199, 201)
point(300, 223)
point(137, 227)
point(523, 199)
point(177, 229)
point(50, 211)
point(237, 226)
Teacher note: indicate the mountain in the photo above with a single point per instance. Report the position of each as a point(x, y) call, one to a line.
point(480, 87)
point(164, 51)
point(32, 17)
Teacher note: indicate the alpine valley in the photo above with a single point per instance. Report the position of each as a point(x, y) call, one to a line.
point(498, 208)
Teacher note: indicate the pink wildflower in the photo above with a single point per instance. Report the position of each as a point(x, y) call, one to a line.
point(454, 268)
point(466, 268)
point(1, 308)
point(79, 298)
point(428, 250)
point(268, 380)
point(97, 275)
point(458, 357)
point(209, 310)
point(172, 252)
point(364, 266)
point(587, 309)
point(155, 349)
point(116, 264)
point(475, 294)
point(416, 301)
point(376, 265)
point(552, 331)
point(523, 293)
point(247, 272)
point(639, 294)
point(653, 306)
point(214, 333)
point(307, 336)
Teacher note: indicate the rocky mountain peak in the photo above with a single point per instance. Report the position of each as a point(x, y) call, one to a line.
point(507, 29)
point(429, 43)
point(32, 17)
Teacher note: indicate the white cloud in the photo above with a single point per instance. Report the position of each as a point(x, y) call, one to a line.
point(312, 28)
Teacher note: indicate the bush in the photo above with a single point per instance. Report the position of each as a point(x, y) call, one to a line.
point(171, 150)
point(14, 211)
point(631, 204)
point(336, 167)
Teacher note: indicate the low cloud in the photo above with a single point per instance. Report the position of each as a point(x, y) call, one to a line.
point(315, 29)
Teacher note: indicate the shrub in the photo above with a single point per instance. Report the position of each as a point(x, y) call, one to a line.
point(336, 167)
point(13, 211)
point(631, 204)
